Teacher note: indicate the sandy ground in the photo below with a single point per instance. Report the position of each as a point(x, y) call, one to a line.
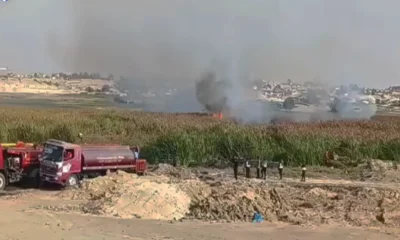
point(33, 214)
point(20, 221)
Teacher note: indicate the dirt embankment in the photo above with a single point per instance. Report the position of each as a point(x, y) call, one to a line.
point(170, 193)
point(126, 196)
point(301, 204)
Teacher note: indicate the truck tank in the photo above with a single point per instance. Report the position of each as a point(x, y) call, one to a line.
point(97, 156)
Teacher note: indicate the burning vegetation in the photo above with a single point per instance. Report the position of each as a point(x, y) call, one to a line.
point(211, 93)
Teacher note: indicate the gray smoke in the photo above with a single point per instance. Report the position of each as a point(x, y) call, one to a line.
point(213, 93)
point(176, 41)
point(226, 96)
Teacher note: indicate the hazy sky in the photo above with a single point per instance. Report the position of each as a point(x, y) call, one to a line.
point(343, 41)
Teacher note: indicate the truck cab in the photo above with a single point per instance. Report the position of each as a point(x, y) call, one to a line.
point(66, 163)
point(59, 161)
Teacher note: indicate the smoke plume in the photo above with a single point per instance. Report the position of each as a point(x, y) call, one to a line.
point(212, 93)
point(176, 41)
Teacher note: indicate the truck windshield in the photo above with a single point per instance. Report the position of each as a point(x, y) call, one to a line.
point(52, 153)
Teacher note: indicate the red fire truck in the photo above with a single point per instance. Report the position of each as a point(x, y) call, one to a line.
point(19, 161)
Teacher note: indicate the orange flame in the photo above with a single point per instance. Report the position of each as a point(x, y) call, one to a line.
point(218, 115)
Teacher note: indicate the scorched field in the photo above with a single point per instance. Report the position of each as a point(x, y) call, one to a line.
point(195, 139)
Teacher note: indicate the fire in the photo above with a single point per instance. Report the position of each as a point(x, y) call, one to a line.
point(218, 115)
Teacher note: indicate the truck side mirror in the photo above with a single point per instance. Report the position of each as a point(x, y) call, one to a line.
point(69, 154)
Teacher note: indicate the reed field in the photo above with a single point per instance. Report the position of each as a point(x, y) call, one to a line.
point(195, 139)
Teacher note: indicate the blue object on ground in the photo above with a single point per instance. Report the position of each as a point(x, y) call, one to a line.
point(258, 218)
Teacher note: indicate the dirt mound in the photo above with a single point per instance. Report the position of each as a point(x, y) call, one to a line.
point(231, 202)
point(300, 204)
point(126, 196)
point(380, 171)
point(168, 197)
point(171, 171)
point(318, 192)
point(379, 165)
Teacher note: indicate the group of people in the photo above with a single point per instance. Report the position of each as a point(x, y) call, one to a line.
point(262, 169)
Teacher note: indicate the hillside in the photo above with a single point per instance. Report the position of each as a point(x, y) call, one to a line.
point(54, 86)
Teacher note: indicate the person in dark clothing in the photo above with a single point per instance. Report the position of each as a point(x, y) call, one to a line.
point(247, 166)
point(303, 173)
point(280, 169)
point(235, 167)
point(264, 170)
point(258, 168)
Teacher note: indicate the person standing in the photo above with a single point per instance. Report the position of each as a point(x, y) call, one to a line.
point(247, 166)
point(136, 151)
point(264, 170)
point(303, 172)
point(235, 167)
point(258, 168)
point(280, 169)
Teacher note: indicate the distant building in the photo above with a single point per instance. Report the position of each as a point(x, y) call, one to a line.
point(3, 72)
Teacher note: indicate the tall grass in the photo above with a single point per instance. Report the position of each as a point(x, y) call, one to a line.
point(193, 139)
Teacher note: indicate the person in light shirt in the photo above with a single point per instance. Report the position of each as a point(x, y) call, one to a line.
point(247, 166)
point(303, 172)
point(136, 151)
point(280, 169)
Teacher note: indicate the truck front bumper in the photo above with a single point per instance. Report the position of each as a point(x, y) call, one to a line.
point(50, 178)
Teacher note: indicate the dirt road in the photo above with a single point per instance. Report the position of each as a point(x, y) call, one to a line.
point(20, 221)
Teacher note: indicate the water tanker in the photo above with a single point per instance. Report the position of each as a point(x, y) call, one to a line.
point(66, 164)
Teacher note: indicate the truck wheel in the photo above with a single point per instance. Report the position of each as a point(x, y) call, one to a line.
point(2, 181)
point(72, 181)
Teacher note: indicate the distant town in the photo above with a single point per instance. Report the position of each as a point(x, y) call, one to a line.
point(313, 93)
point(95, 83)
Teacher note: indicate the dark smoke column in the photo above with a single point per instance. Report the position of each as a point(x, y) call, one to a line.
point(211, 93)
